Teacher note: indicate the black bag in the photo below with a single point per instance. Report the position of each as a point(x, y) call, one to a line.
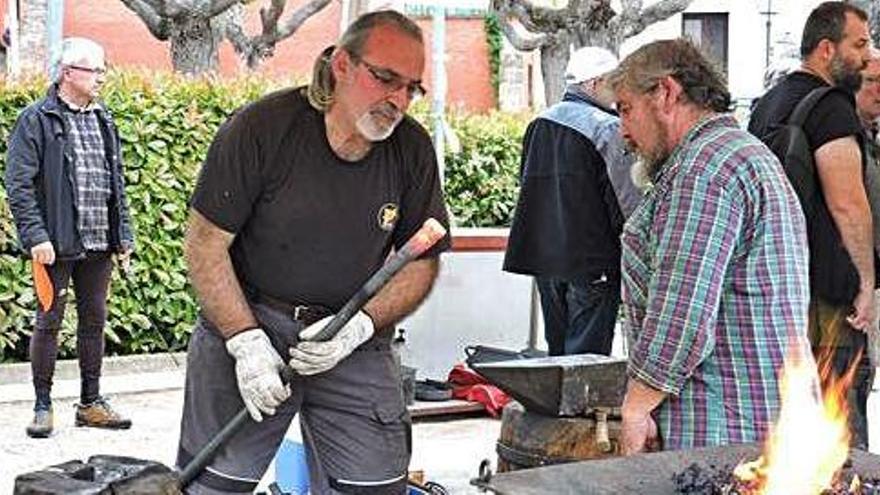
point(833, 276)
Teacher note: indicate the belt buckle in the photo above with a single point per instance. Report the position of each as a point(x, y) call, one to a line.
point(299, 311)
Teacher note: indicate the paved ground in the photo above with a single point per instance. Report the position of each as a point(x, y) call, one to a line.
point(448, 450)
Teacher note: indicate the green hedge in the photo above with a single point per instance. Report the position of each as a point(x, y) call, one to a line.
point(166, 124)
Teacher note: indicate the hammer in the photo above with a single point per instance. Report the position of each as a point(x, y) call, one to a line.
point(428, 235)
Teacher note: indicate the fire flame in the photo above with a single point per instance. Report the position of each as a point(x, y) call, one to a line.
point(810, 441)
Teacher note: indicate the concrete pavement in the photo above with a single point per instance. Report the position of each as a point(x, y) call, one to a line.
point(149, 390)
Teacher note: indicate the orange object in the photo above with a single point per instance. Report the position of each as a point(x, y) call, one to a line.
point(43, 286)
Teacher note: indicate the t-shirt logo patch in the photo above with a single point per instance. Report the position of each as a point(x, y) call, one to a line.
point(387, 216)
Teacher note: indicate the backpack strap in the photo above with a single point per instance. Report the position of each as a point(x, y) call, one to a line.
point(805, 106)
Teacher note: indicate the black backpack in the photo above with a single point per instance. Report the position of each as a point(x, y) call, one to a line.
point(833, 276)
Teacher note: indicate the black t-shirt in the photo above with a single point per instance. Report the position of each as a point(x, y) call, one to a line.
point(310, 227)
point(832, 118)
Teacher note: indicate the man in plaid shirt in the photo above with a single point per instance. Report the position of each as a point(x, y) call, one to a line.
point(714, 264)
point(66, 193)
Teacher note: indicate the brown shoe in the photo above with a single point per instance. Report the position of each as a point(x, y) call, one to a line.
point(41, 426)
point(99, 414)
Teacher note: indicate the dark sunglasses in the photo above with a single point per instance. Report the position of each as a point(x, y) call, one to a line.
point(90, 70)
point(392, 81)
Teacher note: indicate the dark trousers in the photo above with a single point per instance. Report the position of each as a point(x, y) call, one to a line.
point(837, 345)
point(91, 279)
point(579, 317)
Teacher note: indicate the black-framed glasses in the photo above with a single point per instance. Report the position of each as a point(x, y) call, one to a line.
point(392, 81)
point(90, 70)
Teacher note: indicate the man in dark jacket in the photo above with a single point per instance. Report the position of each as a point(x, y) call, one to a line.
point(66, 192)
point(575, 192)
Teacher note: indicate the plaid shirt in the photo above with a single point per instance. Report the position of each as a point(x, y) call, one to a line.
point(93, 182)
point(715, 286)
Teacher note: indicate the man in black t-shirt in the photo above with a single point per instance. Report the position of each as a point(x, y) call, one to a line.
point(301, 198)
point(834, 50)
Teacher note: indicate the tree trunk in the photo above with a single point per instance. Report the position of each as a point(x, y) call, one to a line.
point(554, 57)
point(194, 46)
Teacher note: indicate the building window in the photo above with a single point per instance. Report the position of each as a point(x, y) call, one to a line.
point(709, 33)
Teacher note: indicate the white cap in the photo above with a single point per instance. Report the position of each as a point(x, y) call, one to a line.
point(589, 62)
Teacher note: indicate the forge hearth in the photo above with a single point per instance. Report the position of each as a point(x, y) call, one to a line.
point(649, 474)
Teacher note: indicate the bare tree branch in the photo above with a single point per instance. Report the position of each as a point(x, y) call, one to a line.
point(234, 32)
point(649, 15)
point(217, 7)
point(531, 16)
point(172, 9)
point(520, 43)
point(256, 48)
point(146, 10)
point(580, 22)
point(630, 7)
point(269, 18)
point(300, 16)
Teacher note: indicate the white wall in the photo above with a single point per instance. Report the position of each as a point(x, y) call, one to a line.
point(473, 302)
point(746, 36)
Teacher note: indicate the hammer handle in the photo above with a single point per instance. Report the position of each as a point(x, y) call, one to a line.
point(421, 241)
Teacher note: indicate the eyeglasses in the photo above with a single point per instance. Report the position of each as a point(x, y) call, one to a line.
point(90, 70)
point(392, 81)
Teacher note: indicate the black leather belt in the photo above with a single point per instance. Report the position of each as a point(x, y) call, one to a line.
point(305, 313)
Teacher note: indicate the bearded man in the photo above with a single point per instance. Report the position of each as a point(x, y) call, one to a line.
point(301, 198)
point(834, 51)
point(714, 262)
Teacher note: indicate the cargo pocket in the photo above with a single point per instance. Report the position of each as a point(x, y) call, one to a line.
point(395, 429)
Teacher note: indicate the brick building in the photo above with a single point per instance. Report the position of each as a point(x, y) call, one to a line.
point(130, 44)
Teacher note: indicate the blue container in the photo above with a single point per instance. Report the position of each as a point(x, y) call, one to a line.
point(291, 468)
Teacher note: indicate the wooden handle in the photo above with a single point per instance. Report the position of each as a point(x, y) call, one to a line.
point(602, 441)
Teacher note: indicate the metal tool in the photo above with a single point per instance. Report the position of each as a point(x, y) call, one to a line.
point(428, 235)
point(129, 476)
point(560, 385)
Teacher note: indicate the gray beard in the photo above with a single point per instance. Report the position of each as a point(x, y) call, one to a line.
point(371, 124)
point(642, 172)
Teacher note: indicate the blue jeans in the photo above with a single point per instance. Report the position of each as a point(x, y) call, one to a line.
point(579, 317)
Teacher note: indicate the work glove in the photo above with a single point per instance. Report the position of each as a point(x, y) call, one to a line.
point(43, 253)
point(257, 369)
point(311, 358)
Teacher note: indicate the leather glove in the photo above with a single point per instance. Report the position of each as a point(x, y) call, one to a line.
point(311, 358)
point(257, 369)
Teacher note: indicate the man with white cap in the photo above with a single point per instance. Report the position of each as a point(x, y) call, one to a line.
point(575, 193)
point(66, 193)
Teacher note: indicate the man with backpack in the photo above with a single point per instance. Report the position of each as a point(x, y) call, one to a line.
point(829, 182)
